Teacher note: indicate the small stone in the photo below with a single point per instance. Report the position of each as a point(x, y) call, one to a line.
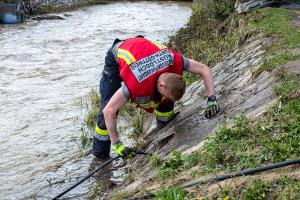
point(259, 53)
point(256, 49)
point(256, 61)
point(253, 44)
point(231, 62)
point(293, 67)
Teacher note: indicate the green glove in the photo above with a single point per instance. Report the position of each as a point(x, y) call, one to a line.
point(123, 151)
point(212, 107)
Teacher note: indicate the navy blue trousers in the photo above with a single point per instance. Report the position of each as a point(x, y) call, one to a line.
point(110, 82)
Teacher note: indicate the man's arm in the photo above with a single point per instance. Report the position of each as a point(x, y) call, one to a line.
point(199, 68)
point(205, 72)
point(110, 114)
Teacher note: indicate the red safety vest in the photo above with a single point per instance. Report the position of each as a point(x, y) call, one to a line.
point(141, 61)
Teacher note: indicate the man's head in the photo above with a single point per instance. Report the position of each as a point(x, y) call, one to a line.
point(171, 85)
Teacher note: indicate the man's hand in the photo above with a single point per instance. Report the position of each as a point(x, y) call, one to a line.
point(212, 107)
point(123, 151)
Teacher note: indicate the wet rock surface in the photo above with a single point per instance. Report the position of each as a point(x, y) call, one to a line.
point(49, 17)
point(237, 91)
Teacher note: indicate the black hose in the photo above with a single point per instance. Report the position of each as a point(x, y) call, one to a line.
point(227, 176)
point(93, 172)
point(88, 176)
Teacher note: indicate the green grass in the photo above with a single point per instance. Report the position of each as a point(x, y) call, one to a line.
point(91, 103)
point(136, 118)
point(156, 160)
point(129, 112)
point(170, 167)
point(120, 195)
point(209, 42)
point(96, 190)
point(289, 87)
point(85, 137)
point(257, 191)
point(176, 193)
point(248, 143)
point(276, 61)
point(283, 188)
point(276, 23)
point(204, 39)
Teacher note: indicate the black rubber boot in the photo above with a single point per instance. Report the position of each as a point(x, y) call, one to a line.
point(101, 149)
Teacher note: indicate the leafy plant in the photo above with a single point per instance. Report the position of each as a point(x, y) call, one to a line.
point(171, 166)
point(176, 193)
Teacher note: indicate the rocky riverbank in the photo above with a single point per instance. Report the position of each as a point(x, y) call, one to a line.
point(258, 91)
point(33, 7)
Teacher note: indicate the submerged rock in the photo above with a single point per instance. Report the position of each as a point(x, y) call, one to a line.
point(48, 17)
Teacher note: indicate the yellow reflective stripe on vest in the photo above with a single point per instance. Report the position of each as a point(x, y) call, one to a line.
point(101, 131)
point(160, 46)
point(151, 104)
point(126, 56)
point(164, 114)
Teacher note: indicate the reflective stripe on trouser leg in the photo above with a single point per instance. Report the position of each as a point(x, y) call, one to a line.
point(164, 116)
point(101, 134)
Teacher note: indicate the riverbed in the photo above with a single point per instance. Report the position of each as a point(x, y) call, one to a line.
point(46, 68)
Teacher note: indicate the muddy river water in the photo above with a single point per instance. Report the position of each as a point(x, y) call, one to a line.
point(46, 67)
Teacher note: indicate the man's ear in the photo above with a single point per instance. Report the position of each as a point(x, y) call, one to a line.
point(161, 88)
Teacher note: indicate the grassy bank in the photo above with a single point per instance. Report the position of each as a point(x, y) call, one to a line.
point(212, 33)
point(129, 113)
point(248, 142)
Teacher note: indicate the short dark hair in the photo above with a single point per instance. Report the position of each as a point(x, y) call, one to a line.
point(176, 85)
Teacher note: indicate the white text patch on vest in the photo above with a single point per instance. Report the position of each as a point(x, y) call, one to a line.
point(147, 66)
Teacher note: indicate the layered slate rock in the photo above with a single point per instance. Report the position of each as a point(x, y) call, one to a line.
point(242, 6)
point(238, 91)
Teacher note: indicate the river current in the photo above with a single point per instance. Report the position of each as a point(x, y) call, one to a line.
point(46, 68)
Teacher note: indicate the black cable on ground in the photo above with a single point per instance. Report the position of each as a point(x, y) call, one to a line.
point(228, 176)
point(88, 176)
point(93, 172)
